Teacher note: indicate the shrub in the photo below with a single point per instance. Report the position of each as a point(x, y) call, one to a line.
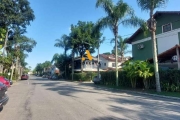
point(109, 78)
point(81, 76)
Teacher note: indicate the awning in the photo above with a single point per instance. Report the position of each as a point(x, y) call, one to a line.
point(167, 55)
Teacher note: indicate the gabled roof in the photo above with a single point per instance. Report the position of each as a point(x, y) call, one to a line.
point(155, 16)
point(110, 57)
point(86, 58)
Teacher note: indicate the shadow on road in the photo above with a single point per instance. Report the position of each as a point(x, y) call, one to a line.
point(131, 105)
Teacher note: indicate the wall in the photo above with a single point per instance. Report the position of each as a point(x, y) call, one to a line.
point(167, 40)
point(102, 61)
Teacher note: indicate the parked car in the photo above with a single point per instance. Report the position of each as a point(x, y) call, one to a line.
point(4, 81)
point(3, 96)
point(10, 81)
point(96, 80)
point(24, 77)
point(44, 76)
point(54, 77)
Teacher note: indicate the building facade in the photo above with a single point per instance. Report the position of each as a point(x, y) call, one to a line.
point(167, 36)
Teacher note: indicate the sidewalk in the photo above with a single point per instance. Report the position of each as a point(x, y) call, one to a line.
point(149, 94)
point(137, 92)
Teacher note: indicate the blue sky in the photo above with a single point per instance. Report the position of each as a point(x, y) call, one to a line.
point(54, 17)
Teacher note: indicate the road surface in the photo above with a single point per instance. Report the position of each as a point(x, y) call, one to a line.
point(42, 99)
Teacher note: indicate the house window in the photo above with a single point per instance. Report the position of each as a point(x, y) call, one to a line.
point(166, 28)
point(113, 65)
point(104, 64)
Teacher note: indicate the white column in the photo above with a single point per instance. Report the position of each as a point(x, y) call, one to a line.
point(177, 52)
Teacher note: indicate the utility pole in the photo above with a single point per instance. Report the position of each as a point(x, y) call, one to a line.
point(98, 59)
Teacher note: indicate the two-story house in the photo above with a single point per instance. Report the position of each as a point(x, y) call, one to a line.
point(88, 65)
point(167, 36)
point(107, 62)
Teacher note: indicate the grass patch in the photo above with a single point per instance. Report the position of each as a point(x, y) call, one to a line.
point(171, 94)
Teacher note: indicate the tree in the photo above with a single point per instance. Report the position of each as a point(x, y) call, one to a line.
point(131, 69)
point(84, 38)
point(150, 6)
point(122, 47)
point(144, 71)
point(39, 68)
point(121, 13)
point(15, 14)
point(65, 44)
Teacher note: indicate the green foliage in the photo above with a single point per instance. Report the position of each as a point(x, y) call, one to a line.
point(16, 12)
point(170, 80)
point(147, 5)
point(122, 46)
point(85, 76)
point(91, 75)
point(138, 69)
point(81, 77)
point(108, 78)
point(84, 34)
point(4, 74)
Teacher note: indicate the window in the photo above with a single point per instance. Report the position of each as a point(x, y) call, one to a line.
point(167, 27)
point(104, 64)
point(113, 65)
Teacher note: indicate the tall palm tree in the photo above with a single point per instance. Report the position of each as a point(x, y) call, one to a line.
point(121, 13)
point(55, 58)
point(63, 43)
point(122, 47)
point(150, 6)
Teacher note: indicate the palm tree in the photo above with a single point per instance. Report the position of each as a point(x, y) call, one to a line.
point(122, 47)
point(63, 43)
point(121, 13)
point(151, 5)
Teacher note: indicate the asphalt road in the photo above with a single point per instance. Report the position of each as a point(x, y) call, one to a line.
point(42, 99)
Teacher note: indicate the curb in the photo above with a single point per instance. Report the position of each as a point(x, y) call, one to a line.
point(154, 95)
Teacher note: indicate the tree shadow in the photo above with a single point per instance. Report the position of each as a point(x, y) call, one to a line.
point(131, 105)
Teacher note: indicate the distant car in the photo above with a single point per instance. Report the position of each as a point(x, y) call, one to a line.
point(24, 77)
point(4, 81)
point(3, 96)
point(10, 81)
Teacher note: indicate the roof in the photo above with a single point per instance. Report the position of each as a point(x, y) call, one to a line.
point(110, 57)
point(79, 58)
point(155, 16)
point(168, 54)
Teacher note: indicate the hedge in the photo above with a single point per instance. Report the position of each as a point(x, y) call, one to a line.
point(85, 76)
point(109, 78)
point(169, 79)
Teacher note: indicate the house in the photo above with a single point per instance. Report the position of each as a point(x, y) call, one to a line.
point(167, 36)
point(52, 70)
point(107, 62)
point(88, 65)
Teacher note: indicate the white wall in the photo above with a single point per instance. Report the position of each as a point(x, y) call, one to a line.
point(167, 41)
point(108, 63)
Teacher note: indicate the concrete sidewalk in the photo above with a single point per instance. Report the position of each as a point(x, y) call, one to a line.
point(135, 92)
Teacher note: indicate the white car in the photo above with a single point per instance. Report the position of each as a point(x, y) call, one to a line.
point(96, 80)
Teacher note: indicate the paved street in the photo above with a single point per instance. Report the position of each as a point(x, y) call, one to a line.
point(42, 99)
